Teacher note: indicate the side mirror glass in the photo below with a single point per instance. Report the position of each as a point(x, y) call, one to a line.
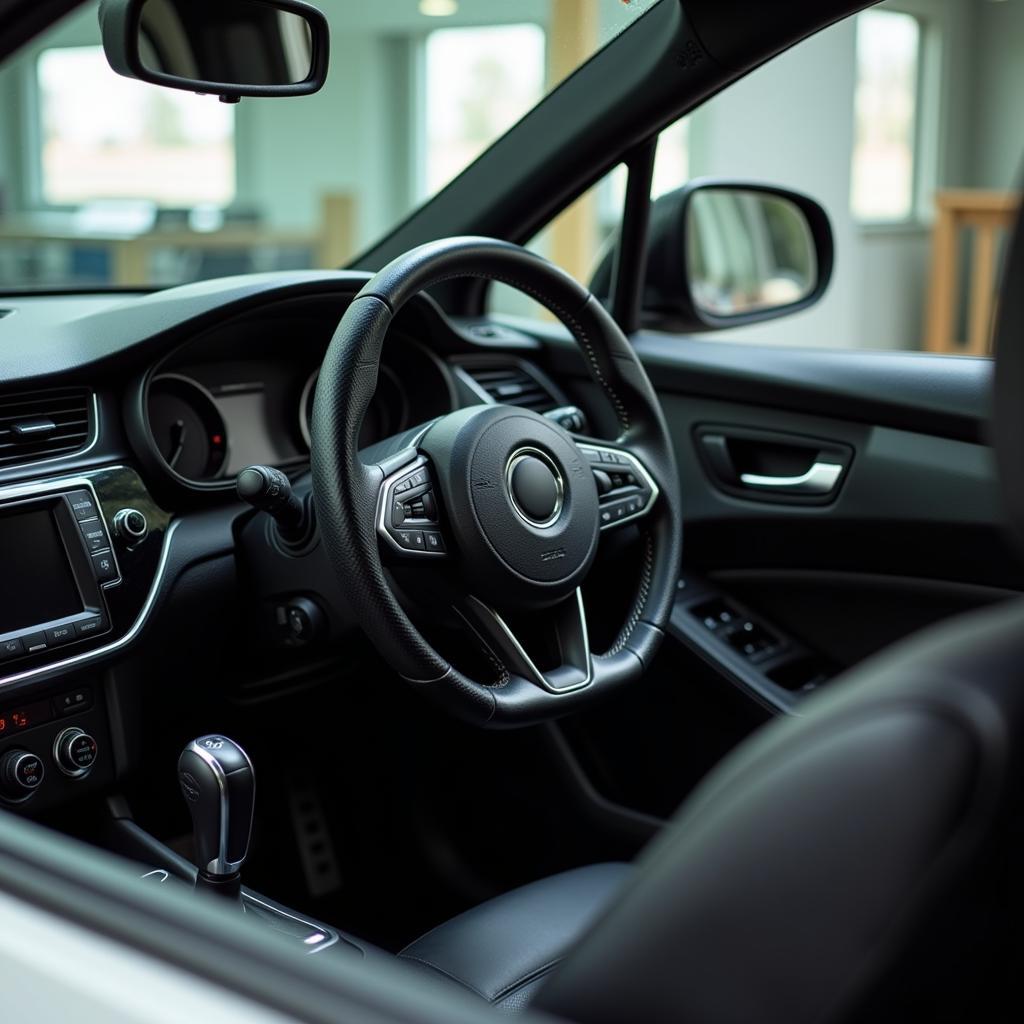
point(230, 48)
point(747, 252)
point(723, 254)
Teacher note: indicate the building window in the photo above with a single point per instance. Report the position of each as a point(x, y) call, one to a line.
point(885, 116)
point(479, 82)
point(106, 137)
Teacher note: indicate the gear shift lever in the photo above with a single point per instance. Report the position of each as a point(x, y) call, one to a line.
point(218, 783)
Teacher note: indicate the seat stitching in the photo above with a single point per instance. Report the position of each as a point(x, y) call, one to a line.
point(525, 979)
point(442, 971)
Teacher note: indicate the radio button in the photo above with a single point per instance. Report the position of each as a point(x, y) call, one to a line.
point(11, 648)
point(57, 635)
point(95, 535)
point(34, 642)
point(104, 567)
point(86, 627)
point(83, 504)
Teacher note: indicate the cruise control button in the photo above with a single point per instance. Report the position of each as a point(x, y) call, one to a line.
point(104, 567)
point(83, 505)
point(95, 535)
point(34, 642)
point(411, 540)
point(86, 627)
point(58, 635)
point(11, 648)
point(433, 541)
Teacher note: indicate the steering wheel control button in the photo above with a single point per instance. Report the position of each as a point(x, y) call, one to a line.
point(536, 487)
point(21, 773)
point(411, 540)
point(408, 504)
point(75, 752)
point(131, 525)
point(626, 490)
point(83, 504)
point(104, 567)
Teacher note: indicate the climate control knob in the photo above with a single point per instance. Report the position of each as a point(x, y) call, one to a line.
point(75, 752)
point(21, 772)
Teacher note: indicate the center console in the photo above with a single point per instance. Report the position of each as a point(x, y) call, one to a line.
point(80, 562)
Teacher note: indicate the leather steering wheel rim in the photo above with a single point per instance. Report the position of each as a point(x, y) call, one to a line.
point(347, 490)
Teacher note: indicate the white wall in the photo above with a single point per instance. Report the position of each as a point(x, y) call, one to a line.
point(791, 123)
point(998, 136)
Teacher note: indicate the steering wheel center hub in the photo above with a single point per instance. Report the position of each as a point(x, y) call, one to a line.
point(535, 487)
point(521, 500)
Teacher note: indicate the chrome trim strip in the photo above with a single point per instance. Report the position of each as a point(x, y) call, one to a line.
point(71, 455)
point(333, 936)
point(636, 464)
point(527, 666)
point(514, 459)
point(820, 479)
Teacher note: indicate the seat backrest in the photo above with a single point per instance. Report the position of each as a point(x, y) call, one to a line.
point(858, 862)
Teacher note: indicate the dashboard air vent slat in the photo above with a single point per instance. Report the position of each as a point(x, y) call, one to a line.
point(42, 425)
point(512, 385)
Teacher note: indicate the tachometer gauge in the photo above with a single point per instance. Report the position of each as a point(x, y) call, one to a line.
point(187, 427)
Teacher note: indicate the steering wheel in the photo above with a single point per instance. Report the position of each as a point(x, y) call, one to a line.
point(501, 505)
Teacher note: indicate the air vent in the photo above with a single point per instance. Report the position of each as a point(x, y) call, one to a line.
point(513, 384)
point(38, 425)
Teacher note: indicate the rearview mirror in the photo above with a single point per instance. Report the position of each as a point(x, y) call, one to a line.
point(229, 48)
point(724, 254)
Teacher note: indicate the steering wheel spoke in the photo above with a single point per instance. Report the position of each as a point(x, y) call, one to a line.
point(567, 664)
point(408, 512)
point(626, 489)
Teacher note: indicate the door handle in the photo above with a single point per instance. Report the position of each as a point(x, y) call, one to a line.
point(819, 480)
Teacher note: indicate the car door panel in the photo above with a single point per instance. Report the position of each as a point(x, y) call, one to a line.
point(911, 533)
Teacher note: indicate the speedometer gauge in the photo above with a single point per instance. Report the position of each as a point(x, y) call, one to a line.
point(187, 427)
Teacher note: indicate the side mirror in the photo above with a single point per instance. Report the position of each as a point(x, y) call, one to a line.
point(228, 48)
point(724, 254)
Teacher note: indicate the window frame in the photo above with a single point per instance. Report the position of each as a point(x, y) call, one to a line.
point(923, 156)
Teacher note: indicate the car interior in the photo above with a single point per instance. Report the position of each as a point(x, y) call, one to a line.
point(373, 650)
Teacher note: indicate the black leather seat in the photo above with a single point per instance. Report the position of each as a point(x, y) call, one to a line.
point(860, 862)
point(503, 949)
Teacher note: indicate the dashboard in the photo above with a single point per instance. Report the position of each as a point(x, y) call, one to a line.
point(131, 570)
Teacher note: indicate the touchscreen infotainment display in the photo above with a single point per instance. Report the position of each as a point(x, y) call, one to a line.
point(36, 583)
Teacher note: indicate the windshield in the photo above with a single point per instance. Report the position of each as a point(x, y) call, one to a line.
point(108, 182)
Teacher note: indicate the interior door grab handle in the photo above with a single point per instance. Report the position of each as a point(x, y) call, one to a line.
point(821, 478)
